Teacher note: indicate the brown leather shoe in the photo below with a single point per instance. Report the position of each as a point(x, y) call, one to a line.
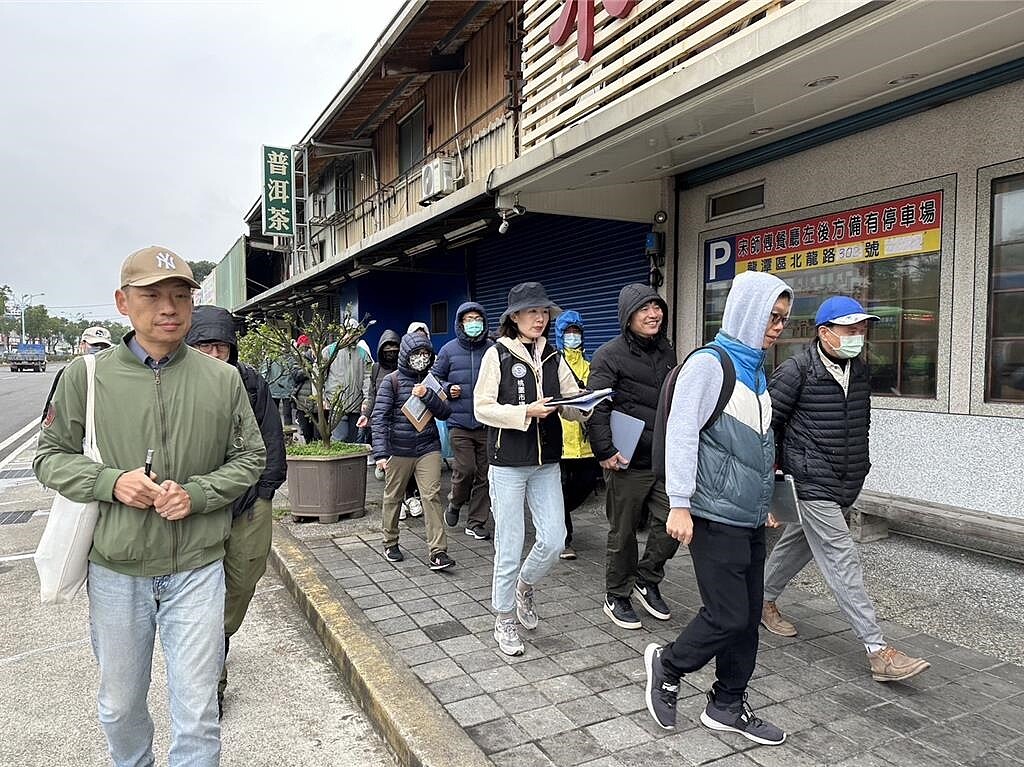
point(772, 620)
point(891, 665)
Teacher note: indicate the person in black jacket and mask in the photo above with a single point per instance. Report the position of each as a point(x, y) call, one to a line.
point(246, 550)
point(634, 364)
point(402, 450)
point(821, 404)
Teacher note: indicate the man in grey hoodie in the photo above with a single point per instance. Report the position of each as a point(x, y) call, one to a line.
point(719, 482)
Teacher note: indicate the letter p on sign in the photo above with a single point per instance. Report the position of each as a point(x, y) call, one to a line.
point(718, 260)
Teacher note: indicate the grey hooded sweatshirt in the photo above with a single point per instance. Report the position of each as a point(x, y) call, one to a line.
point(724, 472)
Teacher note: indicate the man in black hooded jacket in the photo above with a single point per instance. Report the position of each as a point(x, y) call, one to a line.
point(634, 364)
point(246, 550)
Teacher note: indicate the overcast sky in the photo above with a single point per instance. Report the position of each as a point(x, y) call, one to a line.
point(133, 124)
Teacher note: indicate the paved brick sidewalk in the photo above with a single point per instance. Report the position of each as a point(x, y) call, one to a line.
point(576, 696)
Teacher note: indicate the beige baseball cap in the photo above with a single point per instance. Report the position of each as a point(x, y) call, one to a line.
point(155, 264)
point(97, 335)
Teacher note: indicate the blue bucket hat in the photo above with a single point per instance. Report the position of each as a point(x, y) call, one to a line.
point(841, 310)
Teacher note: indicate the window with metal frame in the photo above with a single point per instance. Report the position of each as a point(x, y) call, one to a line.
point(439, 317)
point(411, 140)
point(1004, 350)
point(736, 201)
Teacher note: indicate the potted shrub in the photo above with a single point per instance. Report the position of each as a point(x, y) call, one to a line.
point(326, 479)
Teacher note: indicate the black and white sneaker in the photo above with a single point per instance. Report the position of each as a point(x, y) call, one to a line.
point(451, 515)
point(737, 717)
point(661, 692)
point(393, 553)
point(478, 532)
point(620, 610)
point(440, 560)
point(651, 601)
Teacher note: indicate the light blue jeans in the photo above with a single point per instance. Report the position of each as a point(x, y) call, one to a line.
point(124, 614)
point(346, 430)
point(541, 487)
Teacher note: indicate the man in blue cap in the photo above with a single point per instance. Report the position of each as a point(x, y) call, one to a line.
point(821, 401)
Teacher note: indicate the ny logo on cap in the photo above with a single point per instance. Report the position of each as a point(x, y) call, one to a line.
point(165, 261)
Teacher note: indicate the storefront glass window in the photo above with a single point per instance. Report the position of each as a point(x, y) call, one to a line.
point(901, 349)
point(1005, 352)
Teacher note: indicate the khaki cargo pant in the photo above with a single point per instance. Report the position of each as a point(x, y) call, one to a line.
point(427, 470)
point(245, 561)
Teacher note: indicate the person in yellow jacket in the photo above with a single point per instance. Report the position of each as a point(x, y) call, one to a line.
point(580, 469)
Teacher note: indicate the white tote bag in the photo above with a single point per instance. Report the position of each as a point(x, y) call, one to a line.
point(62, 557)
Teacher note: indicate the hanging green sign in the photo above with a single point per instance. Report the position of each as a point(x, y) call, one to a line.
point(278, 192)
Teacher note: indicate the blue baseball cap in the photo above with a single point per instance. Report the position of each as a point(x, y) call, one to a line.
point(841, 310)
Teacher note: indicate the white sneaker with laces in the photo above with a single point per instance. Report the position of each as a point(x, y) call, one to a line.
point(404, 511)
point(506, 634)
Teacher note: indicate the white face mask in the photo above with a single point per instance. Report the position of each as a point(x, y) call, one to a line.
point(419, 362)
point(572, 340)
point(849, 346)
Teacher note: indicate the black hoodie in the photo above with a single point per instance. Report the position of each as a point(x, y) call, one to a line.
point(380, 369)
point(635, 368)
point(212, 323)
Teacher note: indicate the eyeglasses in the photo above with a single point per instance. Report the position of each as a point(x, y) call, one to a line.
point(778, 319)
point(215, 346)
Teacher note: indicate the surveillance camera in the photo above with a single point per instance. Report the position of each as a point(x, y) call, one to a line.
point(518, 210)
point(660, 217)
point(503, 226)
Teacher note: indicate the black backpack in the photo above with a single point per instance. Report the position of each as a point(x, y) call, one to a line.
point(668, 388)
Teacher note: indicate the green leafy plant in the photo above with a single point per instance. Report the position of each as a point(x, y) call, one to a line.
point(273, 337)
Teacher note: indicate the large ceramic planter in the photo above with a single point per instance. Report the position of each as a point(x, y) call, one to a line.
point(327, 486)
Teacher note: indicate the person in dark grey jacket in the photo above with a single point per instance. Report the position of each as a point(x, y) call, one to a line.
point(457, 368)
point(402, 449)
point(718, 476)
point(634, 364)
point(246, 550)
point(821, 402)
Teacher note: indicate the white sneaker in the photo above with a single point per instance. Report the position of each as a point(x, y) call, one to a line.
point(507, 636)
point(415, 507)
point(404, 511)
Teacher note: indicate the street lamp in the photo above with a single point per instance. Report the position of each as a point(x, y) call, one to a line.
point(25, 298)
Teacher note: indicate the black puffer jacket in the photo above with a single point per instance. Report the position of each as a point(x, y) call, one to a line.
point(635, 368)
point(393, 433)
point(212, 323)
point(821, 436)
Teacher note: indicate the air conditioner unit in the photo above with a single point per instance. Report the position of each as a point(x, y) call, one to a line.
point(437, 179)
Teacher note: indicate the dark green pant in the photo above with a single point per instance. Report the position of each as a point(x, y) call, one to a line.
point(245, 561)
point(629, 492)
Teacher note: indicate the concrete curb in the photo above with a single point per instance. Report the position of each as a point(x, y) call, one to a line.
point(410, 719)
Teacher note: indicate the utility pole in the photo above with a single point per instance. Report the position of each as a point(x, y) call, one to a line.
point(25, 298)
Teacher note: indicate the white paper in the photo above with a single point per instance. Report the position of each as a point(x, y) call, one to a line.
point(626, 433)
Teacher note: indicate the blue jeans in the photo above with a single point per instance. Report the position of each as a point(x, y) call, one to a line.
point(541, 487)
point(124, 614)
point(346, 430)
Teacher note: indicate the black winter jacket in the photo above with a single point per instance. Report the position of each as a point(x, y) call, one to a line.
point(393, 433)
point(821, 436)
point(635, 368)
point(212, 323)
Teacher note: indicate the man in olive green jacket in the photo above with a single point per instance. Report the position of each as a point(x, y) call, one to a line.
point(158, 544)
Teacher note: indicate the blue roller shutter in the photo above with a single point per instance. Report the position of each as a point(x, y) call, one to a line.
point(583, 263)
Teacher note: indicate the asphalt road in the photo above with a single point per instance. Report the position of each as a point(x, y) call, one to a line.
point(22, 396)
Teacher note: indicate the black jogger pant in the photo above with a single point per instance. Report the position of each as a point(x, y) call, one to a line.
point(728, 562)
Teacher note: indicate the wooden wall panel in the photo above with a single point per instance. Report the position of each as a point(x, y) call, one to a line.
point(657, 37)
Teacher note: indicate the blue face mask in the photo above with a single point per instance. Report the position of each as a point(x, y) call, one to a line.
point(473, 328)
point(572, 340)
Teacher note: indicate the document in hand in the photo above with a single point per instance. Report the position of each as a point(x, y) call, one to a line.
point(626, 433)
point(586, 400)
point(416, 410)
point(785, 507)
